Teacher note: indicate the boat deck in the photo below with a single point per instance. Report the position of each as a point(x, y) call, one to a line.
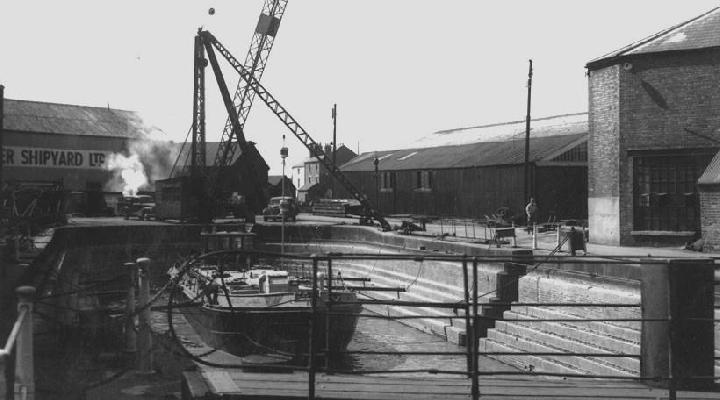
point(236, 384)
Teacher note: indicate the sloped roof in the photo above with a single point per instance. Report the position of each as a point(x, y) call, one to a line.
point(275, 179)
point(479, 154)
point(211, 149)
point(700, 32)
point(567, 124)
point(68, 119)
point(711, 175)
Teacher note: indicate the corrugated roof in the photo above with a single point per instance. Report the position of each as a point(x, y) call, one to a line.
point(711, 175)
point(700, 32)
point(462, 156)
point(567, 124)
point(67, 119)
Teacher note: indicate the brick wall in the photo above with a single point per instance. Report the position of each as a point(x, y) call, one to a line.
point(710, 216)
point(603, 155)
point(645, 103)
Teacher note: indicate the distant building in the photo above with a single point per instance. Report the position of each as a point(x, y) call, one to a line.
point(317, 180)
point(275, 188)
point(653, 131)
point(298, 174)
point(50, 142)
point(471, 172)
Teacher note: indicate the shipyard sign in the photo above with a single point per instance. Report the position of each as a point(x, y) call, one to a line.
point(17, 156)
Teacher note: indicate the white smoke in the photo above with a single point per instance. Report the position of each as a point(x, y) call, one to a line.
point(146, 161)
point(130, 171)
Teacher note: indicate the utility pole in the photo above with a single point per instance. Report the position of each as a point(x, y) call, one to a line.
point(334, 148)
point(527, 191)
point(2, 132)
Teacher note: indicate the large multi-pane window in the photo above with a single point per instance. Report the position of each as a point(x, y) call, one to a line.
point(665, 192)
point(423, 180)
point(387, 181)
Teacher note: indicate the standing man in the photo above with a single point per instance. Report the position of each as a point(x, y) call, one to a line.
point(531, 211)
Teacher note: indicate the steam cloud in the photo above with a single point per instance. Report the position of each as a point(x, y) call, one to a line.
point(146, 161)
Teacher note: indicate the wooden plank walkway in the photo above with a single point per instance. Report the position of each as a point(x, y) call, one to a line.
point(236, 385)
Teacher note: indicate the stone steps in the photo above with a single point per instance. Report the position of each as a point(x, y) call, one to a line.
point(526, 363)
point(599, 328)
point(564, 342)
point(601, 341)
point(580, 364)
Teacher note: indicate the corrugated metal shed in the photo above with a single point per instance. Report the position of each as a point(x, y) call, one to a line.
point(67, 119)
point(700, 32)
point(567, 124)
point(508, 152)
point(711, 176)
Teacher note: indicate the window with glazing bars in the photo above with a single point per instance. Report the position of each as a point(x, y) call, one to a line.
point(665, 192)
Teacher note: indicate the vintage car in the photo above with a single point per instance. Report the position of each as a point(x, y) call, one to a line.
point(272, 211)
point(140, 206)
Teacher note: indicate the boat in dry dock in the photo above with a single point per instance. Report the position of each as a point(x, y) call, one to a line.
point(248, 308)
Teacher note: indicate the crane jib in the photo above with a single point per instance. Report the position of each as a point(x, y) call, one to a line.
point(294, 126)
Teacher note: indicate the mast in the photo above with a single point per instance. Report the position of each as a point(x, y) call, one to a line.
point(527, 193)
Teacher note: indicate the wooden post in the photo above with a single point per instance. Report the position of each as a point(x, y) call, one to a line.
point(328, 310)
point(534, 238)
point(24, 369)
point(466, 308)
point(311, 331)
point(144, 342)
point(475, 341)
point(130, 334)
point(558, 237)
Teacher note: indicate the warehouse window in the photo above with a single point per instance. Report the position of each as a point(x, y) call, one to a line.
point(423, 180)
point(387, 181)
point(665, 192)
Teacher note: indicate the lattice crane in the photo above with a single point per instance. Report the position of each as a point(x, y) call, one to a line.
point(209, 41)
point(255, 62)
point(250, 165)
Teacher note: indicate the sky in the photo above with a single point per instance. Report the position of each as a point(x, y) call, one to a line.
point(397, 69)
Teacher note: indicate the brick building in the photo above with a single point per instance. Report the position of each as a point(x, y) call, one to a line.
point(471, 172)
point(653, 124)
point(317, 181)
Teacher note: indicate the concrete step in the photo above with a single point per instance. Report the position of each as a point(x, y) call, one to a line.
point(441, 327)
point(601, 328)
point(562, 342)
point(526, 363)
point(393, 278)
point(576, 332)
point(592, 365)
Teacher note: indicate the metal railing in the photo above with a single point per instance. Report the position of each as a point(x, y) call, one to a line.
point(20, 345)
point(475, 321)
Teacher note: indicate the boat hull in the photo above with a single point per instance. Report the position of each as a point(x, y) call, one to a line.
point(244, 331)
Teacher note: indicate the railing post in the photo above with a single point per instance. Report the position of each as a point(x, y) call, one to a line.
point(677, 332)
point(311, 330)
point(130, 334)
point(534, 236)
point(24, 369)
point(144, 346)
point(328, 310)
point(466, 308)
point(475, 336)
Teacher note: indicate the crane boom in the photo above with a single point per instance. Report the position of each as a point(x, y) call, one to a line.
point(255, 62)
point(210, 41)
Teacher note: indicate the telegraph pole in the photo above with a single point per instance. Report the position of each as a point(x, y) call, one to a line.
point(527, 190)
point(334, 149)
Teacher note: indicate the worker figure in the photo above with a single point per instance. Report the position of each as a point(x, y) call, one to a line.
point(531, 211)
point(212, 290)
